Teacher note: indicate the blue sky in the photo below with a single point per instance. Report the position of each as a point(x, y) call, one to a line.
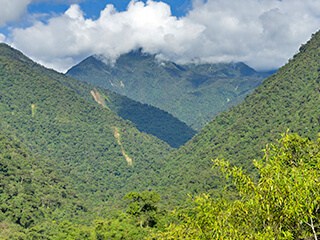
point(59, 33)
point(92, 8)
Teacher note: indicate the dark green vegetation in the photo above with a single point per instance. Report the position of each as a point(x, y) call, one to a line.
point(192, 93)
point(145, 117)
point(290, 99)
point(150, 119)
point(31, 191)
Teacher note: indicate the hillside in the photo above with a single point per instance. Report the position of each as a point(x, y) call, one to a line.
point(193, 93)
point(289, 99)
point(149, 119)
point(31, 190)
point(146, 118)
point(55, 120)
point(66, 157)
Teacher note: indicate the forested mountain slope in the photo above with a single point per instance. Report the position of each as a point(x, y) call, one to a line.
point(145, 117)
point(149, 119)
point(103, 156)
point(61, 143)
point(290, 99)
point(31, 190)
point(194, 93)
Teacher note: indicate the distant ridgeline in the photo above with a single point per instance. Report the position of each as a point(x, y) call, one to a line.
point(194, 93)
point(290, 99)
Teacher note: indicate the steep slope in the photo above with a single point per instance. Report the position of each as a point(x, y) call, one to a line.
point(149, 119)
point(290, 99)
point(57, 121)
point(145, 117)
point(193, 93)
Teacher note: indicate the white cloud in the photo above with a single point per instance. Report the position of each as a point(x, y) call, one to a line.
point(71, 36)
point(11, 10)
point(262, 33)
point(2, 38)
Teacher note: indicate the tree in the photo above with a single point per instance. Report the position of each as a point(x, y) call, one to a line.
point(283, 204)
point(144, 207)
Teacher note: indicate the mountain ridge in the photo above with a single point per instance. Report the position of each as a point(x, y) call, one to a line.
point(146, 118)
point(288, 99)
point(84, 151)
point(55, 119)
point(193, 93)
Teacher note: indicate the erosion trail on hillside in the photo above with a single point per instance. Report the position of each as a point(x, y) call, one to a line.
point(118, 138)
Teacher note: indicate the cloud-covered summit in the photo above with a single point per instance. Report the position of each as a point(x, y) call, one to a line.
point(261, 33)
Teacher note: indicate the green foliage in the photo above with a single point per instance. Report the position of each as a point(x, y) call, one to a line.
point(36, 204)
point(74, 132)
point(120, 227)
point(60, 230)
point(151, 120)
point(11, 231)
point(31, 190)
point(193, 93)
point(283, 204)
point(288, 99)
point(144, 207)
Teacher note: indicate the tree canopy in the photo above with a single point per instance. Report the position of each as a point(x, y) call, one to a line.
point(283, 204)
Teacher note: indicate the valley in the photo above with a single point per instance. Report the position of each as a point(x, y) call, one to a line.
point(80, 161)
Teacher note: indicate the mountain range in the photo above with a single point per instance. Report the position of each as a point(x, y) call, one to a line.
point(72, 168)
point(194, 93)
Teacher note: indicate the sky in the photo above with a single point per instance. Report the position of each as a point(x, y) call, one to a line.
point(60, 33)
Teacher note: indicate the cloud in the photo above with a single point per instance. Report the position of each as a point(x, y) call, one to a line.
point(70, 37)
point(262, 33)
point(2, 38)
point(60, 1)
point(11, 10)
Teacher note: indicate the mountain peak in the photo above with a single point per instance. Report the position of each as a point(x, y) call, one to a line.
point(135, 55)
point(194, 93)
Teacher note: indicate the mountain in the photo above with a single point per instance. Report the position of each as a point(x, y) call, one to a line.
point(193, 93)
point(149, 119)
point(146, 118)
point(290, 99)
point(65, 154)
point(56, 117)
